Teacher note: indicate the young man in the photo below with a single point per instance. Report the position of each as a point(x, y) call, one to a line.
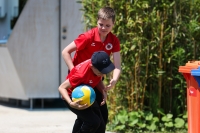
point(96, 39)
point(99, 38)
point(89, 72)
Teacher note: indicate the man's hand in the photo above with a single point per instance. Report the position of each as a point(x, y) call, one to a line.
point(77, 105)
point(112, 84)
point(104, 94)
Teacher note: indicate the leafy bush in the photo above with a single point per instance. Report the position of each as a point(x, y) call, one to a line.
point(145, 121)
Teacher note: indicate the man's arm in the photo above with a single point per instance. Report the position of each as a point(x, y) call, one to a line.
point(63, 91)
point(101, 88)
point(116, 71)
point(66, 54)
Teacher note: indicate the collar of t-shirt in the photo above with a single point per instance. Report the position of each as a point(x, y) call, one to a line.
point(97, 37)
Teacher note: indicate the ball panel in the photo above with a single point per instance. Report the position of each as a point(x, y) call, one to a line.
point(86, 92)
point(77, 93)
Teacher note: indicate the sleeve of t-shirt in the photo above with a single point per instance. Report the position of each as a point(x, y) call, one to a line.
point(82, 41)
point(116, 47)
point(75, 78)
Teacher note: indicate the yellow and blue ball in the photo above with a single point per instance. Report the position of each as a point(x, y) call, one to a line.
point(85, 93)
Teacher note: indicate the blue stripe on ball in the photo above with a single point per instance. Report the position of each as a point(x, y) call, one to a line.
point(78, 93)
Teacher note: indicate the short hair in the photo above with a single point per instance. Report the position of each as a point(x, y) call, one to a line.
point(106, 13)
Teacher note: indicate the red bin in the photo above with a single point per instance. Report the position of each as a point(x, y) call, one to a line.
point(193, 96)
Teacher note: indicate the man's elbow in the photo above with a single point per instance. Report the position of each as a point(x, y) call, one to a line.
point(63, 52)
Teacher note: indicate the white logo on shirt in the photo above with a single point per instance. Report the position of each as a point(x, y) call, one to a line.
point(90, 81)
point(93, 44)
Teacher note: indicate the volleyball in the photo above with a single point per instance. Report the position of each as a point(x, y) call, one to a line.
point(85, 93)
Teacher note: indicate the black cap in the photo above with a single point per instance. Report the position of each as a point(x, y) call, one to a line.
point(101, 61)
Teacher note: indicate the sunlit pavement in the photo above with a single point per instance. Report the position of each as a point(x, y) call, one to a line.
point(22, 120)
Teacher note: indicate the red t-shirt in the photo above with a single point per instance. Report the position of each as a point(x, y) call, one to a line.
point(82, 74)
point(89, 42)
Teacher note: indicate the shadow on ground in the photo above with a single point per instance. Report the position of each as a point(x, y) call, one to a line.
point(34, 104)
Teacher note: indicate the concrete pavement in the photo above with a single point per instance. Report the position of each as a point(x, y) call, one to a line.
point(24, 120)
point(16, 120)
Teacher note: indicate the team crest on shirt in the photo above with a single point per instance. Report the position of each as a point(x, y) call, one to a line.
point(109, 46)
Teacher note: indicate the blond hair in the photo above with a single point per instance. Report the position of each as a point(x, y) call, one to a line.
point(106, 13)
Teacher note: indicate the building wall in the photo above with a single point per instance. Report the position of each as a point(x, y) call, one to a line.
point(31, 65)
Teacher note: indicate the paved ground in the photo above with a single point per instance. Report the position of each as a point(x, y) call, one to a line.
point(23, 120)
point(16, 120)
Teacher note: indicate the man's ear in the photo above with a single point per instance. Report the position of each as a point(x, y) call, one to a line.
point(91, 66)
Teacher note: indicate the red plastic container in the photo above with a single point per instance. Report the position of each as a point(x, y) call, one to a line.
point(193, 95)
